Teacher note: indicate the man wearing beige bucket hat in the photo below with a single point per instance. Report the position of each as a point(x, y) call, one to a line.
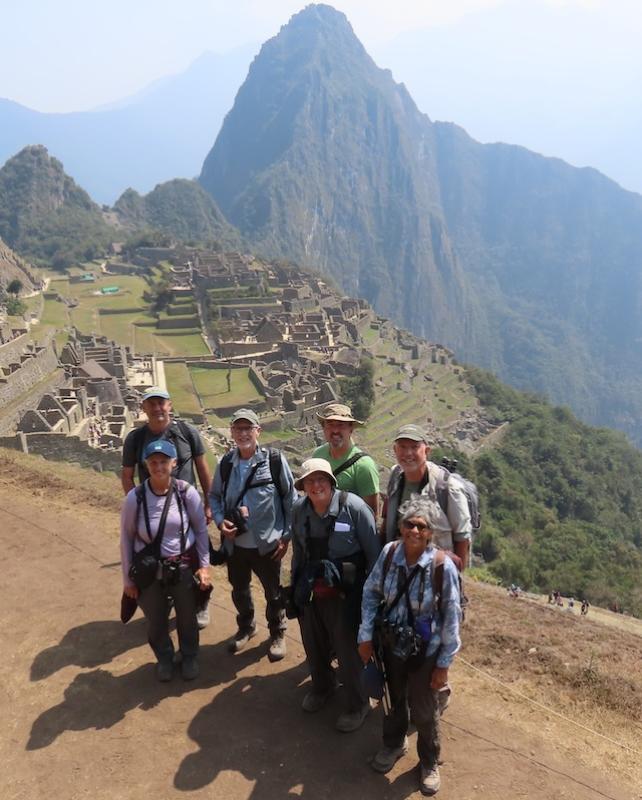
point(354, 470)
point(334, 546)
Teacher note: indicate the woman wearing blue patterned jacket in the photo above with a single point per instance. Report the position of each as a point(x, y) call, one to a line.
point(411, 597)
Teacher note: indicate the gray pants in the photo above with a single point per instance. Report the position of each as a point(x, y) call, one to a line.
point(240, 565)
point(327, 628)
point(153, 601)
point(411, 692)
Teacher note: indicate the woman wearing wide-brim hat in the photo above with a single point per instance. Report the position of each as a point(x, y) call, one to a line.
point(335, 544)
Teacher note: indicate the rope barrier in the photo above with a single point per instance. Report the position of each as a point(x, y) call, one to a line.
point(548, 709)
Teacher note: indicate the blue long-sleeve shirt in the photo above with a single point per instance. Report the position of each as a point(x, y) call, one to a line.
point(270, 511)
point(445, 623)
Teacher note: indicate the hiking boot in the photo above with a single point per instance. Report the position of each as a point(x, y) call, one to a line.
point(277, 648)
point(203, 616)
point(164, 671)
point(189, 668)
point(240, 640)
point(352, 720)
point(387, 757)
point(429, 781)
point(314, 701)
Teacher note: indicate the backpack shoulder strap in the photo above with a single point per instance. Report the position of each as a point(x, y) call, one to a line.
point(276, 468)
point(437, 577)
point(347, 464)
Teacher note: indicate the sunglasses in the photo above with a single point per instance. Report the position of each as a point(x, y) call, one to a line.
point(407, 525)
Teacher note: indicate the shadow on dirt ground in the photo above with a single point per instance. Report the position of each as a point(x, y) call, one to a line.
point(99, 699)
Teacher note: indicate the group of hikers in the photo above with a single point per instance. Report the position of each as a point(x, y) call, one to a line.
point(376, 589)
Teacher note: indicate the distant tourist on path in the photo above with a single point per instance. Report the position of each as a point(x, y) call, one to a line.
point(355, 471)
point(415, 474)
point(416, 634)
point(168, 513)
point(585, 607)
point(335, 545)
point(251, 501)
point(157, 406)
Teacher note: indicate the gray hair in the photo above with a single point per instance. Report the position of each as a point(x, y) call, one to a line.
point(420, 506)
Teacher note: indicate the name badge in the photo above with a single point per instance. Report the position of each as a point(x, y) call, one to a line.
point(341, 527)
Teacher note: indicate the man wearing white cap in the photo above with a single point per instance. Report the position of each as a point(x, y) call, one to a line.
point(354, 470)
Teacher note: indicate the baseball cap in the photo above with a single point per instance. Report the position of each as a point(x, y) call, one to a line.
point(160, 446)
point(413, 432)
point(156, 391)
point(245, 413)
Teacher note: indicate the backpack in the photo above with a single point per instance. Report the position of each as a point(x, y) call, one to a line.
point(177, 427)
point(471, 494)
point(276, 465)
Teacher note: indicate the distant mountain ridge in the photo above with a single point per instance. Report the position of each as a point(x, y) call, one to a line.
point(45, 215)
point(181, 208)
point(521, 263)
point(161, 133)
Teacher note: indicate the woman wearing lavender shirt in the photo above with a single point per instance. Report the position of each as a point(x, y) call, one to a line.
point(184, 555)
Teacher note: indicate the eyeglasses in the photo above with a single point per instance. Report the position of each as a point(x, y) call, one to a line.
point(242, 428)
point(409, 525)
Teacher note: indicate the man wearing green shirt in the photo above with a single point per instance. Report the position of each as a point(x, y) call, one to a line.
point(355, 471)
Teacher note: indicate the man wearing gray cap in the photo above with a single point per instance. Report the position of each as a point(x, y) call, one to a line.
point(415, 474)
point(251, 499)
point(354, 470)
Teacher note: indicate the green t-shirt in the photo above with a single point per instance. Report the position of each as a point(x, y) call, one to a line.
point(362, 478)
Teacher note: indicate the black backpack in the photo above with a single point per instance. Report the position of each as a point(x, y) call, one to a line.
point(274, 459)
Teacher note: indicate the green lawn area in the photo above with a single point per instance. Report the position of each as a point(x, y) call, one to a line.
point(212, 387)
point(179, 384)
point(54, 314)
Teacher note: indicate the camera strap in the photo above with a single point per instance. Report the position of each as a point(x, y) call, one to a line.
point(142, 500)
point(246, 485)
point(403, 590)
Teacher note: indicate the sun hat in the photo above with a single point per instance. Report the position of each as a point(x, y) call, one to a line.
point(314, 465)
point(338, 412)
point(245, 413)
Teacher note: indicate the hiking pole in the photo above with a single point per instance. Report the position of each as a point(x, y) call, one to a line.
point(386, 702)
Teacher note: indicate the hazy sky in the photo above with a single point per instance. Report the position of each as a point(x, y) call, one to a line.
point(77, 54)
point(561, 77)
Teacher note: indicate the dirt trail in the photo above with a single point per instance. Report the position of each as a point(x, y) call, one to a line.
point(84, 717)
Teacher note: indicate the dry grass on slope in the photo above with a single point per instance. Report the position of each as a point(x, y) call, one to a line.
point(575, 678)
point(63, 485)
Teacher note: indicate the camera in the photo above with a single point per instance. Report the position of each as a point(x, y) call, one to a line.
point(237, 519)
point(402, 640)
point(171, 574)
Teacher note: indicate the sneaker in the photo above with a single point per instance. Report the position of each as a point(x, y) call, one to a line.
point(353, 720)
point(314, 701)
point(277, 648)
point(164, 671)
point(429, 781)
point(203, 616)
point(240, 640)
point(387, 757)
point(189, 669)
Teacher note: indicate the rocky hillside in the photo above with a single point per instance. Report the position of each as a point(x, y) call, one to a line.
point(45, 215)
point(181, 208)
point(12, 267)
point(520, 263)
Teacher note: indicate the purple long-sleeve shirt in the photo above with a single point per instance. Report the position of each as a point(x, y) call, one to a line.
point(133, 533)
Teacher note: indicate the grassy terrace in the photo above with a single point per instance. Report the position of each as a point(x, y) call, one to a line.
point(211, 385)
